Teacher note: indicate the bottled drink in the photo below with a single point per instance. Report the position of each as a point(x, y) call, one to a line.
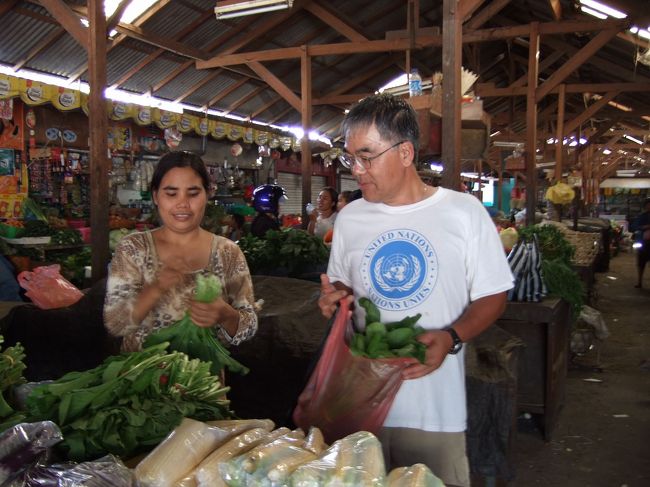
point(415, 83)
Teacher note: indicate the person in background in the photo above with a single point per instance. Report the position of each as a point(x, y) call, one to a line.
point(324, 215)
point(236, 227)
point(412, 248)
point(643, 227)
point(345, 197)
point(9, 287)
point(152, 274)
point(266, 201)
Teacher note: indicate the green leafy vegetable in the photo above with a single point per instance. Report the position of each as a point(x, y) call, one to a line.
point(129, 403)
point(198, 342)
point(11, 374)
point(292, 250)
point(562, 281)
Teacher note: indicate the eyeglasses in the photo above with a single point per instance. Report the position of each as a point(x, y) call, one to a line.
point(362, 163)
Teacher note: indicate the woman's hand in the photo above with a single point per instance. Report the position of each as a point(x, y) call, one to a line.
point(218, 312)
point(438, 343)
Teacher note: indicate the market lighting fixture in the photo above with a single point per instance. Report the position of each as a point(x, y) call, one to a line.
point(227, 9)
point(603, 9)
point(633, 139)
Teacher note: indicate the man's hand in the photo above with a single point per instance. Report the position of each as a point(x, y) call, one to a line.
point(330, 295)
point(438, 343)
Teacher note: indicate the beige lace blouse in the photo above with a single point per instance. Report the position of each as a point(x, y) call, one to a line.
point(135, 264)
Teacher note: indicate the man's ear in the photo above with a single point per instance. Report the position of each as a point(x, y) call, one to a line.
point(407, 153)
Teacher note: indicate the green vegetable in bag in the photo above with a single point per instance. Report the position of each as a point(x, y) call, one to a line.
point(198, 342)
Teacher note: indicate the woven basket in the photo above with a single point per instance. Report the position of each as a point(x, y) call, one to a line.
point(587, 244)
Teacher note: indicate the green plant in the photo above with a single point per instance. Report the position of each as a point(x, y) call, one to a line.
point(290, 250)
point(552, 243)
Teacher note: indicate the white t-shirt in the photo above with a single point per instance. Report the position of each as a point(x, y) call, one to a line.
point(433, 257)
point(323, 225)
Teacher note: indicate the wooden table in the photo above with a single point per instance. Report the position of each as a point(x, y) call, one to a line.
point(545, 329)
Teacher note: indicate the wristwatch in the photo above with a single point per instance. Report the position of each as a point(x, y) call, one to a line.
point(457, 343)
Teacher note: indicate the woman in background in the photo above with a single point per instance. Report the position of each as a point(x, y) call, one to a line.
point(322, 218)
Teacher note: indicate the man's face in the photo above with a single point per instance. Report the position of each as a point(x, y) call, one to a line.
point(382, 181)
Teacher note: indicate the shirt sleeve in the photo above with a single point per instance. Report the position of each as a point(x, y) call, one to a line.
point(124, 283)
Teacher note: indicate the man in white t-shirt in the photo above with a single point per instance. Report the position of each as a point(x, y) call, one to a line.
point(413, 248)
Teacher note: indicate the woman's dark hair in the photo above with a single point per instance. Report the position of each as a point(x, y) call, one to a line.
point(393, 117)
point(334, 195)
point(172, 160)
point(350, 196)
point(239, 219)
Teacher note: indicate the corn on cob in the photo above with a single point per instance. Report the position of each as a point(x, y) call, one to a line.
point(314, 442)
point(207, 473)
point(178, 454)
point(417, 475)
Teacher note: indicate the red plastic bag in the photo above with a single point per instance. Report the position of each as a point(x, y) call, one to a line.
point(47, 288)
point(346, 393)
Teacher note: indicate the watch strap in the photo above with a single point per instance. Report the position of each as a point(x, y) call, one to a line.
point(457, 343)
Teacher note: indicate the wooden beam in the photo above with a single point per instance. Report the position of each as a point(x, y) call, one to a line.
point(114, 19)
point(68, 20)
point(531, 124)
point(452, 38)
point(159, 41)
point(576, 61)
point(209, 77)
point(335, 22)
point(559, 149)
point(275, 83)
point(588, 113)
point(486, 90)
point(468, 7)
point(604, 128)
point(305, 148)
point(265, 107)
point(6, 6)
point(489, 11)
point(98, 122)
point(556, 8)
point(160, 51)
point(224, 93)
point(47, 41)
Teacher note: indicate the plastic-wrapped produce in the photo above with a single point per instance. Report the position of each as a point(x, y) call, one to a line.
point(179, 453)
point(108, 471)
point(207, 474)
point(354, 460)
point(268, 463)
point(418, 475)
point(24, 444)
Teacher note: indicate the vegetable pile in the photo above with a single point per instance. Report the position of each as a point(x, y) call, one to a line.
point(11, 374)
point(197, 342)
point(129, 403)
point(388, 340)
point(290, 250)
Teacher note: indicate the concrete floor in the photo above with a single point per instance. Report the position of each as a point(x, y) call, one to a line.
point(603, 434)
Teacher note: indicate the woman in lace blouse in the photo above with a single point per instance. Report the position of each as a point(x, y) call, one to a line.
point(153, 273)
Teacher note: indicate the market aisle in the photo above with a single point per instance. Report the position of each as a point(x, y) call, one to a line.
point(603, 431)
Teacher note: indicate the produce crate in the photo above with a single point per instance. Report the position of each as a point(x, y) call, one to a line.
point(10, 231)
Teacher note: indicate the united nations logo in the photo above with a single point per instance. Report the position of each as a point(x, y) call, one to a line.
point(399, 269)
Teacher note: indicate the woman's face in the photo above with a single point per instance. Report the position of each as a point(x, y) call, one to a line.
point(325, 202)
point(341, 203)
point(181, 199)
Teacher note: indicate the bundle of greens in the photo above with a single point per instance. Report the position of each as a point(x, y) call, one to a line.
point(290, 250)
point(552, 242)
point(388, 340)
point(11, 374)
point(129, 403)
point(564, 282)
point(198, 342)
